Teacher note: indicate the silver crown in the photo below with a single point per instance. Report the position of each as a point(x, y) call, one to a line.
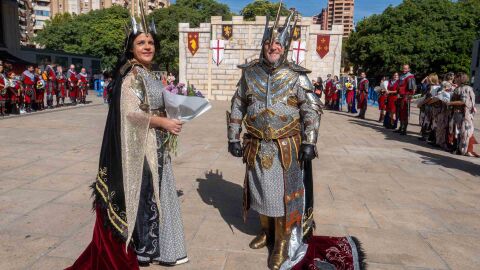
point(141, 27)
point(282, 34)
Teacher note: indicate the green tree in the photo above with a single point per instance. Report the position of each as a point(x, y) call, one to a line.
point(185, 11)
point(431, 35)
point(262, 8)
point(99, 33)
point(206, 8)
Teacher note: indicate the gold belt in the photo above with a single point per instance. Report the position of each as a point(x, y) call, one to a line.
point(268, 133)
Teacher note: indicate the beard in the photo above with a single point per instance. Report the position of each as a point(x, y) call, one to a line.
point(273, 58)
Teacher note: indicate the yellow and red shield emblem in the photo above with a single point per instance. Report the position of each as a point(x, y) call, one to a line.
point(323, 45)
point(227, 31)
point(193, 42)
point(297, 33)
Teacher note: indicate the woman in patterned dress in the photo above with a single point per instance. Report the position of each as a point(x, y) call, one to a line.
point(137, 208)
point(461, 123)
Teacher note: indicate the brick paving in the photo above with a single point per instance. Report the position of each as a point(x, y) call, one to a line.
point(412, 206)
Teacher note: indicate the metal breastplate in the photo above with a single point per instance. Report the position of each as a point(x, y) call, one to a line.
point(272, 104)
point(154, 88)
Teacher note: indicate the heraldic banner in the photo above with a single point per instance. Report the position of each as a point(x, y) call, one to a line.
point(193, 42)
point(298, 51)
point(227, 31)
point(218, 49)
point(323, 45)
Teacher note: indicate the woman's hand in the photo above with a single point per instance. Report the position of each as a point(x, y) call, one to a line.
point(173, 126)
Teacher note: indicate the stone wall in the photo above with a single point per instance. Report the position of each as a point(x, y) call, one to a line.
point(219, 82)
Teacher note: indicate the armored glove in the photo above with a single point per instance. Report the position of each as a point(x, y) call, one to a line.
point(235, 148)
point(307, 152)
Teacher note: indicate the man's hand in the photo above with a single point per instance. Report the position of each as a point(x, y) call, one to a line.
point(235, 148)
point(307, 152)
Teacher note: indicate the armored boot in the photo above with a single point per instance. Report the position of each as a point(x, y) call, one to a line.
point(280, 250)
point(265, 235)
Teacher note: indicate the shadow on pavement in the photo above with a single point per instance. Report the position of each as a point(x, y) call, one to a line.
point(227, 198)
point(390, 135)
point(448, 162)
point(353, 116)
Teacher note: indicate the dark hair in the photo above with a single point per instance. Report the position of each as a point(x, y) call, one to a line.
point(462, 78)
point(449, 76)
point(127, 52)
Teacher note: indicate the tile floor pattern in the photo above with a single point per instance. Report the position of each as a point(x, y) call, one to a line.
point(412, 206)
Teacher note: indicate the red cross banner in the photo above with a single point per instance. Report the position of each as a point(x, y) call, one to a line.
point(218, 50)
point(298, 52)
point(323, 45)
point(193, 42)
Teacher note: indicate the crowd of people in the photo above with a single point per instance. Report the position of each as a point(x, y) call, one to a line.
point(35, 89)
point(446, 108)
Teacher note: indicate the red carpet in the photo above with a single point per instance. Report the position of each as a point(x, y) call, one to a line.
point(332, 253)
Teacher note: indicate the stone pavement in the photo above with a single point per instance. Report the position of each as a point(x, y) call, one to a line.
point(413, 207)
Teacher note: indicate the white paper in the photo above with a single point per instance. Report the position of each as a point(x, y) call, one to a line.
point(184, 108)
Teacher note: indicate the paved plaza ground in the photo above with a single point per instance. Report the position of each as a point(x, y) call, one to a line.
point(412, 206)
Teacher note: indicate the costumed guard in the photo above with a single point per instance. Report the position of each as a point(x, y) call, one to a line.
point(328, 91)
point(382, 99)
point(40, 79)
point(350, 96)
point(72, 84)
point(3, 92)
point(61, 89)
point(50, 84)
point(362, 95)
point(28, 81)
point(15, 90)
point(276, 104)
point(406, 88)
point(82, 86)
point(392, 92)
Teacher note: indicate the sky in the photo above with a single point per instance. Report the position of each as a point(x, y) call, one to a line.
point(363, 8)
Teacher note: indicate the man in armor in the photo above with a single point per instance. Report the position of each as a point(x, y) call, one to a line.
point(82, 86)
point(28, 81)
point(72, 84)
point(362, 95)
point(276, 103)
point(406, 88)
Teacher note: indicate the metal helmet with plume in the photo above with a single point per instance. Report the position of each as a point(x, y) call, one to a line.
point(282, 34)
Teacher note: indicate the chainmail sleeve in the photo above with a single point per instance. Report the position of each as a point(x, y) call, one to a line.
point(238, 110)
point(138, 143)
point(310, 110)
